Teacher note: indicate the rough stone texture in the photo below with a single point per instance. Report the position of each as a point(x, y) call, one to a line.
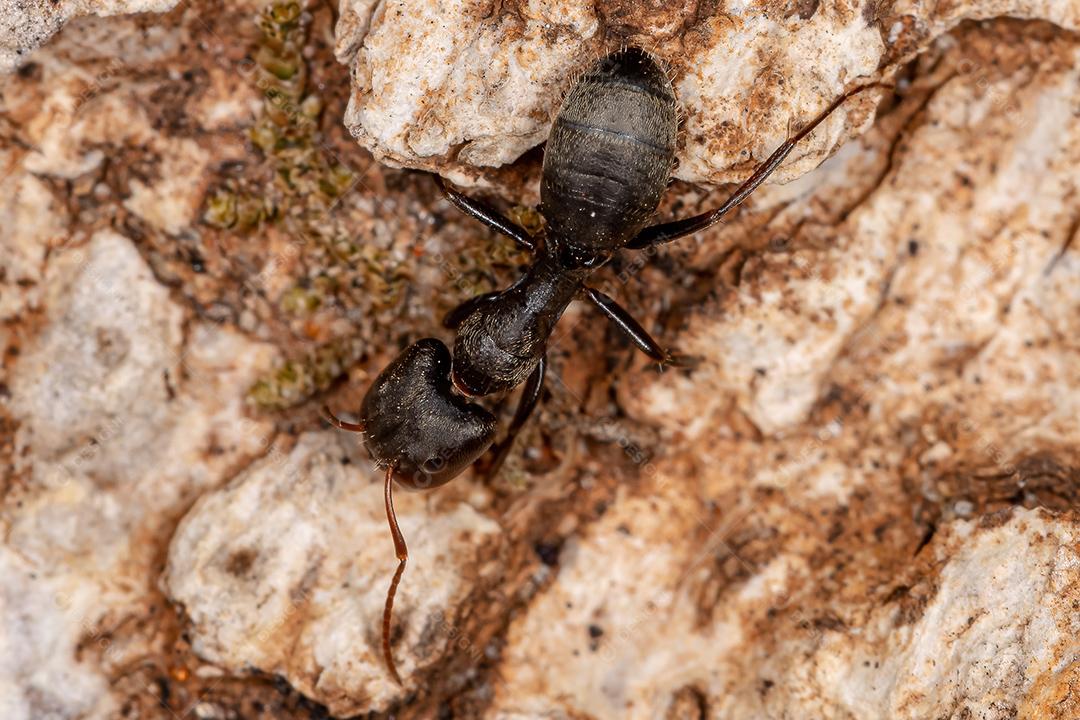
point(998, 621)
point(121, 422)
point(298, 554)
point(861, 504)
point(26, 24)
point(457, 86)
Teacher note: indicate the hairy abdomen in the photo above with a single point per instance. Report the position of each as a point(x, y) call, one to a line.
point(610, 152)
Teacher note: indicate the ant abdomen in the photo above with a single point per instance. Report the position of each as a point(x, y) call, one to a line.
point(609, 154)
point(416, 424)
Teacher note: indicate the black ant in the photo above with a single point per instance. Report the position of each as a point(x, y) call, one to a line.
point(606, 166)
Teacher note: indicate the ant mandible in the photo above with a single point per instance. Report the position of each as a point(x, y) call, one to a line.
point(606, 166)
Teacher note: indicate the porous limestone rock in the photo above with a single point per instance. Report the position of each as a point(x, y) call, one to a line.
point(997, 620)
point(26, 24)
point(286, 570)
point(456, 87)
point(859, 504)
point(120, 425)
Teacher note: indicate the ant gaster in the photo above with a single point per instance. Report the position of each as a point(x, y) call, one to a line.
point(606, 165)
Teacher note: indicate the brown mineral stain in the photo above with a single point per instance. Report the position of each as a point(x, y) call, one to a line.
point(1053, 696)
point(688, 703)
point(241, 561)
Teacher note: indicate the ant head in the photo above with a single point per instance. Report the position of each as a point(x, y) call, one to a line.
point(417, 424)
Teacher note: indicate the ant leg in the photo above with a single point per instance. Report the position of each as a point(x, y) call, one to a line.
point(632, 329)
point(487, 215)
point(339, 423)
point(666, 232)
point(455, 317)
point(403, 557)
point(530, 396)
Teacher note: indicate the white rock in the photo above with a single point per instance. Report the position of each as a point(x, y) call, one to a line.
point(286, 570)
point(456, 87)
point(766, 552)
point(119, 425)
point(994, 628)
point(26, 24)
point(40, 622)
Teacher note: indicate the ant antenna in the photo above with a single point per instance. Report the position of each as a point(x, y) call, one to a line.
point(339, 423)
point(399, 545)
point(403, 557)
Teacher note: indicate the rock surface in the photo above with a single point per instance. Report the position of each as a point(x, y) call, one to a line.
point(26, 24)
point(120, 424)
point(460, 86)
point(297, 553)
point(861, 503)
point(992, 619)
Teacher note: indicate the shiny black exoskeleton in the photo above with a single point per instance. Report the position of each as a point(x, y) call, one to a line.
point(606, 165)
